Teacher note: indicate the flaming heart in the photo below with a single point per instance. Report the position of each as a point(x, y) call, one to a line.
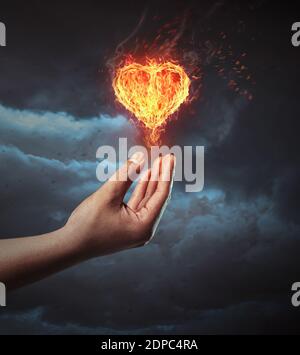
point(152, 92)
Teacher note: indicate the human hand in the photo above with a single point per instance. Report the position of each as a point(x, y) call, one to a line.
point(101, 224)
point(104, 224)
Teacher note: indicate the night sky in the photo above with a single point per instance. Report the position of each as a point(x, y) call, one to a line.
point(223, 260)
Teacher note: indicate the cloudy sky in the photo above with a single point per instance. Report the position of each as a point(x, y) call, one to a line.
point(223, 260)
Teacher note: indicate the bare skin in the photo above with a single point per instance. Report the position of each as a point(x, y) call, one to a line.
point(102, 224)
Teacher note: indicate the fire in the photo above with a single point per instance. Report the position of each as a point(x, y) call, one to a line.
point(152, 92)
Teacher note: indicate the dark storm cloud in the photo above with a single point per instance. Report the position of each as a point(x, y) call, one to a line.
point(56, 54)
point(253, 318)
point(203, 240)
point(58, 152)
point(59, 185)
point(219, 259)
point(59, 135)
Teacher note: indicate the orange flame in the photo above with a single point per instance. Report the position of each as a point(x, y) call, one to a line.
point(152, 92)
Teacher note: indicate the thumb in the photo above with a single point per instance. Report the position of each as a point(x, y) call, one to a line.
point(119, 183)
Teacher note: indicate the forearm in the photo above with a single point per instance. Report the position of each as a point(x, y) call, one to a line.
point(25, 260)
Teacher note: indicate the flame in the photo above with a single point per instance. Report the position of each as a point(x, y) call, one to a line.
point(152, 92)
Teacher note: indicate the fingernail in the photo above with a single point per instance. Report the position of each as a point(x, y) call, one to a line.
point(174, 160)
point(137, 158)
point(172, 157)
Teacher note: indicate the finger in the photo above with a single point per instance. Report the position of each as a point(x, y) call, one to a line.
point(117, 186)
point(152, 185)
point(140, 191)
point(158, 200)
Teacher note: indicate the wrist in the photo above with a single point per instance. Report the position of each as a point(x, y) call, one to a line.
point(71, 243)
